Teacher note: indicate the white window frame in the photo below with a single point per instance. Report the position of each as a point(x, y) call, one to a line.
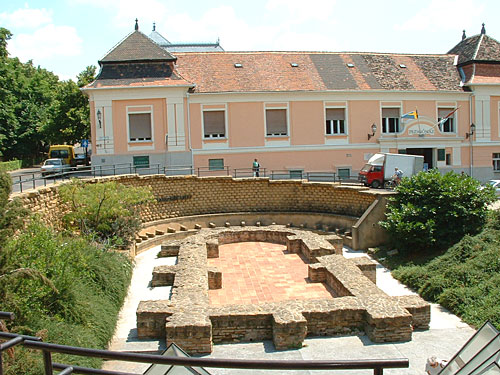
point(214, 135)
point(334, 124)
point(496, 161)
point(131, 111)
point(269, 106)
point(385, 124)
point(453, 117)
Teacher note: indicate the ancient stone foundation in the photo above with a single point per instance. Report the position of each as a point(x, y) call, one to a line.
point(191, 322)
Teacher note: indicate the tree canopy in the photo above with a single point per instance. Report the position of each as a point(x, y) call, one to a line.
point(36, 108)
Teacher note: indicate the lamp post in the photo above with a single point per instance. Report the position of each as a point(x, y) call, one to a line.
point(469, 137)
point(99, 118)
point(374, 129)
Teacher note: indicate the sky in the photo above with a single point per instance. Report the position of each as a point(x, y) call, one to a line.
point(65, 36)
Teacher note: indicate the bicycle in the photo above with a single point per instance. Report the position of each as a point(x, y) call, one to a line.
point(391, 184)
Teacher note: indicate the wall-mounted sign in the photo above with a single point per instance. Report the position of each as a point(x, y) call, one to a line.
point(421, 129)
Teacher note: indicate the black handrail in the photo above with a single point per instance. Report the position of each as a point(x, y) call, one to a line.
point(124, 168)
point(48, 348)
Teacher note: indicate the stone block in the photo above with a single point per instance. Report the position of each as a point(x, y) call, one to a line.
point(169, 249)
point(214, 278)
point(159, 232)
point(170, 230)
point(163, 276)
point(211, 225)
point(212, 248)
point(316, 272)
point(197, 226)
point(289, 329)
point(182, 228)
point(367, 267)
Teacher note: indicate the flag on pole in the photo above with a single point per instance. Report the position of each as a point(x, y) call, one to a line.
point(443, 120)
point(410, 115)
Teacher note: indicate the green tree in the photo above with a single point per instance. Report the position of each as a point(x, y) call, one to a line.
point(108, 211)
point(26, 94)
point(433, 211)
point(70, 119)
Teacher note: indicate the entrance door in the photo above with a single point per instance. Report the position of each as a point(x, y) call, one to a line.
point(425, 152)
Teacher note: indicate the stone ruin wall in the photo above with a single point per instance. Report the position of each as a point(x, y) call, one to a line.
point(359, 305)
point(180, 196)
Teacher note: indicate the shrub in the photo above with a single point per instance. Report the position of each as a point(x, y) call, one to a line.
point(433, 211)
point(107, 211)
point(12, 213)
point(10, 165)
point(72, 292)
point(465, 279)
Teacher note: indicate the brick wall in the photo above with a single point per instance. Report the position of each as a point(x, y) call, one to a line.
point(180, 196)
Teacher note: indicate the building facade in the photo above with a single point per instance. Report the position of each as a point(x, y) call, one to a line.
point(297, 111)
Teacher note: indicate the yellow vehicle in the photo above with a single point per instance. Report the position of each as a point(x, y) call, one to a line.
point(65, 152)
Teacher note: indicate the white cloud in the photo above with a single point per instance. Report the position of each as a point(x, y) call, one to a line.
point(26, 18)
point(297, 11)
point(48, 42)
point(124, 12)
point(445, 15)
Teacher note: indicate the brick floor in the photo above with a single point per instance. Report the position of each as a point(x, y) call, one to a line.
point(254, 272)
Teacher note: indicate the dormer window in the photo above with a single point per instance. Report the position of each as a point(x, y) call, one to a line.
point(294, 65)
point(238, 65)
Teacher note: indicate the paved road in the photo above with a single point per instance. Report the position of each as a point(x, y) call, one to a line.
point(30, 178)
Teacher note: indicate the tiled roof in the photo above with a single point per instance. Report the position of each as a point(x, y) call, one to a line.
point(137, 47)
point(138, 82)
point(273, 71)
point(477, 48)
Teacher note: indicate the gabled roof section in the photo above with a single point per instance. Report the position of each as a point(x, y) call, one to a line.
point(477, 48)
point(158, 38)
point(317, 71)
point(137, 47)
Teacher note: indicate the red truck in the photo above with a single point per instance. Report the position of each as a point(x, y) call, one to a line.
point(380, 168)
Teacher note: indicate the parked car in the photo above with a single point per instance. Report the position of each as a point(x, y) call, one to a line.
point(495, 184)
point(52, 166)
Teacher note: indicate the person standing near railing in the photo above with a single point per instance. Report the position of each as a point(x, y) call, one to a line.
point(255, 168)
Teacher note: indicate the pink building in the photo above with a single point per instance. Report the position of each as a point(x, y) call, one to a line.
point(296, 111)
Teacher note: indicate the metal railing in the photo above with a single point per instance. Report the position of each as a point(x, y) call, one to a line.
point(33, 180)
point(377, 365)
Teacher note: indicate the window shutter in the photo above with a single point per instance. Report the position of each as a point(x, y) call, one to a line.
point(139, 126)
point(276, 121)
point(214, 122)
point(443, 112)
point(390, 113)
point(335, 114)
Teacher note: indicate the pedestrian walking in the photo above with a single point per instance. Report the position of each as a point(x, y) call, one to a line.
point(255, 168)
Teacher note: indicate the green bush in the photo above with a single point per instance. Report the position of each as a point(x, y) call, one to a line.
point(12, 213)
point(465, 279)
point(107, 211)
point(63, 286)
point(433, 211)
point(10, 165)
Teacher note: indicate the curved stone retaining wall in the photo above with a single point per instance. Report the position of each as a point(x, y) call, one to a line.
point(180, 196)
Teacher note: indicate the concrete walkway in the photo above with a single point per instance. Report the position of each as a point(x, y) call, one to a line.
point(445, 337)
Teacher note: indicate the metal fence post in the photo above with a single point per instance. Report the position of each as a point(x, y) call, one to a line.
point(47, 362)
